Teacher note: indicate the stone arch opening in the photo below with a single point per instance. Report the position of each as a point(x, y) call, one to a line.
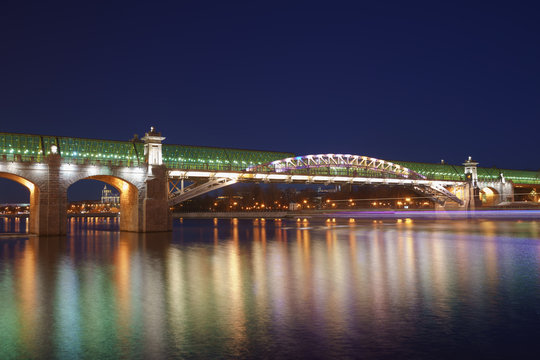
point(489, 196)
point(33, 218)
point(129, 196)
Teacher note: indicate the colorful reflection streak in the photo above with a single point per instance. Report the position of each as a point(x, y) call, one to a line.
point(266, 288)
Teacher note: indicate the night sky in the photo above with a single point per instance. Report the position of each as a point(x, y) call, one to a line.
point(397, 80)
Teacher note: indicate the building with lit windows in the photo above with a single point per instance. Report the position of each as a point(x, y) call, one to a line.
point(108, 197)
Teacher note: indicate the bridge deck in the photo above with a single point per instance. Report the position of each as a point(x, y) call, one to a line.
point(185, 157)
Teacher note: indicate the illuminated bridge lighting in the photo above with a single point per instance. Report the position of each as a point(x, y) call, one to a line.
point(185, 157)
point(30, 147)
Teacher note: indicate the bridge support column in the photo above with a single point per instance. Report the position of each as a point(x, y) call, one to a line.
point(154, 207)
point(471, 196)
point(50, 206)
point(506, 192)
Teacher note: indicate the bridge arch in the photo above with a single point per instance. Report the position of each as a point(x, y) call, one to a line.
point(489, 196)
point(338, 164)
point(129, 199)
point(320, 168)
point(33, 218)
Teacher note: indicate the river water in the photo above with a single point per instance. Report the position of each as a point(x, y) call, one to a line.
point(328, 288)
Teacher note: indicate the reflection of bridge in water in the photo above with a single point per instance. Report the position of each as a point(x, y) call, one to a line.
point(150, 176)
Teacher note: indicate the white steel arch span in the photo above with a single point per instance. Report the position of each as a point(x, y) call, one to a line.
point(353, 164)
point(311, 169)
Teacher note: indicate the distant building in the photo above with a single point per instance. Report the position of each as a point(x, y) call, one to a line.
point(293, 206)
point(108, 197)
point(336, 189)
point(14, 209)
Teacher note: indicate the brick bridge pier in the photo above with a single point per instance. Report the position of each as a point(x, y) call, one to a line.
point(143, 189)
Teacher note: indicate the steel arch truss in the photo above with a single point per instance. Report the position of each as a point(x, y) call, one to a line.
point(338, 164)
point(177, 195)
point(311, 169)
point(437, 193)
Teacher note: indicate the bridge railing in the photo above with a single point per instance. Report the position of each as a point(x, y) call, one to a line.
point(351, 171)
point(69, 160)
point(452, 177)
point(111, 162)
point(203, 166)
point(312, 171)
point(21, 158)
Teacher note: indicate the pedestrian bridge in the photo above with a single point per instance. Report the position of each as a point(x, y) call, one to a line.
point(151, 176)
point(315, 169)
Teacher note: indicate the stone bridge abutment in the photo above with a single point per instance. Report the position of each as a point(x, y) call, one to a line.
point(143, 192)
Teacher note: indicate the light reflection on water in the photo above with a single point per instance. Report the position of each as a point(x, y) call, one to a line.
point(15, 224)
point(268, 288)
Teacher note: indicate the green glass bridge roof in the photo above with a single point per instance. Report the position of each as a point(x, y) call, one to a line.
point(205, 158)
point(132, 153)
point(456, 172)
point(211, 158)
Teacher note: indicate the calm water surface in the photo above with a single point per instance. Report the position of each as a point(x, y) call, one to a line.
point(273, 289)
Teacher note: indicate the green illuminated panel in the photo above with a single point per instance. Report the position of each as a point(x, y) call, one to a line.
point(34, 147)
point(522, 177)
point(454, 172)
point(15, 144)
point(208, 158)
point(31, 147)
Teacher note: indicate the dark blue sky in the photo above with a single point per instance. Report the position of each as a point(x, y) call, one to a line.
point(402, 80)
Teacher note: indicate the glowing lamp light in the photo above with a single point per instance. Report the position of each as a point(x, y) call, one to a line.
point(54, 149)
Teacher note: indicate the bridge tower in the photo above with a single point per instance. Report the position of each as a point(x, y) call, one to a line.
point(155, 207)
point(471, 171)
point(471, 188)
point(152, 147)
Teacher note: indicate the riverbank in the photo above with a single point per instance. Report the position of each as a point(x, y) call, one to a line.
point(231, 215)
point(15, 235)
point(367, 214)
point(93, 215)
